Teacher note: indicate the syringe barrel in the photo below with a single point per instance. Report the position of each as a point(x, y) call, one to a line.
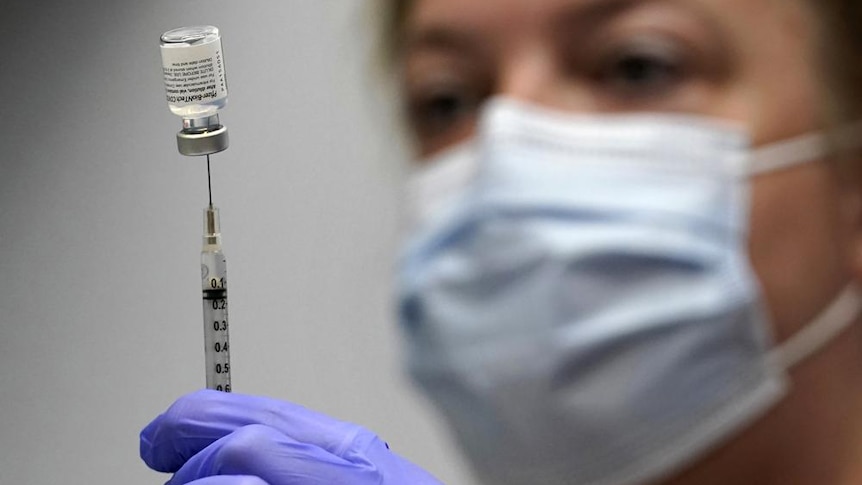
point(215, 305)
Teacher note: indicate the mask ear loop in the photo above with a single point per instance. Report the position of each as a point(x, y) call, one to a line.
point(845, 309)
point(831, 322)
point(786, 154)
point(805, 148)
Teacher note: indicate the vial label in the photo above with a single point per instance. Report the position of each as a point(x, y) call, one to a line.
point(194, 74)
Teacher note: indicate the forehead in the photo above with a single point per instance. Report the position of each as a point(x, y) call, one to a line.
point(476, 14)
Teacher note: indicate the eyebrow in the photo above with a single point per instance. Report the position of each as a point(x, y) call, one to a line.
point(598, 10)
point(438, 36)
point(593, 13)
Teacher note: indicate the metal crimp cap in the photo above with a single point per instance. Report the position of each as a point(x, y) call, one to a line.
point(203, 136)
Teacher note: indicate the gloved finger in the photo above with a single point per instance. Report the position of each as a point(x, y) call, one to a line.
point(277, 459)
point(198, 419)
point(229, 480)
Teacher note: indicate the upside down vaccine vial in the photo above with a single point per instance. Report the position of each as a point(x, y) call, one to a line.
point(196, 87)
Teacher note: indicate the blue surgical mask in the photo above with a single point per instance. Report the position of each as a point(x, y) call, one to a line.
point(577, 296)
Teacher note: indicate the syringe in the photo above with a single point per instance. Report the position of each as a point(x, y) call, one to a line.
point(214, 283)
point(193, 62)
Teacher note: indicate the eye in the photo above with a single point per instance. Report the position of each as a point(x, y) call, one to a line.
point(642, 69)
point(436, 111)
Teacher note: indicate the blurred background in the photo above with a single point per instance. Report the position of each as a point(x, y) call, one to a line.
point(100, 230)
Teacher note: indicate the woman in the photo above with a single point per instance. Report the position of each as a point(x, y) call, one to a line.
point(636, 236)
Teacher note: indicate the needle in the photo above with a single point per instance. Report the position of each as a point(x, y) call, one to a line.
point(209, 181)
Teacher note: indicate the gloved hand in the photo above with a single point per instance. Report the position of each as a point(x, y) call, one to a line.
point(216, 438)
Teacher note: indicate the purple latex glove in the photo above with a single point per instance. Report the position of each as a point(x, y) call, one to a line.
point(247, 440)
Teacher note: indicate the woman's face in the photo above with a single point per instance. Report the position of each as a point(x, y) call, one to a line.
point(751, 61)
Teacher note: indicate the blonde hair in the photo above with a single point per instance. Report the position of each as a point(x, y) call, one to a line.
point(394, 15)
point(839, 50)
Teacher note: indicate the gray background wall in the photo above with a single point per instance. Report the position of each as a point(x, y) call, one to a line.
point(100, 223)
